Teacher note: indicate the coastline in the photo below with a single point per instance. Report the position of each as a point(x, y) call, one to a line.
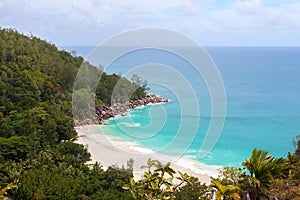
point(103, 112)
point(110, 151)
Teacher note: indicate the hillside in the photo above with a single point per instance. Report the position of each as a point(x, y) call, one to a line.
point(37, 128)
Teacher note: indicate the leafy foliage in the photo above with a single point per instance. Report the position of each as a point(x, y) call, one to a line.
point(263, 170)
point(37, 127)
point(9, 189)
point(266, 178)
point(289, 186)
point(193, 190)
point(158, 183)
point(226, 191)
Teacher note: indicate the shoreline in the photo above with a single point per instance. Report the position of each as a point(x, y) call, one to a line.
point(109, 150)
point(104, 112)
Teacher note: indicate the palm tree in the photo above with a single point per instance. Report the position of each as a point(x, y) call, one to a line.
point(263, 168)
point(225, 191)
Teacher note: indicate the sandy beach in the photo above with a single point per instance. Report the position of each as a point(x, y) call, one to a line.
point(112, 151)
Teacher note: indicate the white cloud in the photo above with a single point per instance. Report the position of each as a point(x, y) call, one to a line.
point(247, 7)
point(88, 22)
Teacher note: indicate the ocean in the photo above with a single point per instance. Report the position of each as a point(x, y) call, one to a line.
point(262, 87)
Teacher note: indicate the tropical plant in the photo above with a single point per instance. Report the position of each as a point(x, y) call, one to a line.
point(263, 168)
point(4, 192)
point(289, 187)
point(193, 190)
point(225, 191)
point(157, 183)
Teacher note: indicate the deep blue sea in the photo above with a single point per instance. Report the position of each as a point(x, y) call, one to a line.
point(262, 86)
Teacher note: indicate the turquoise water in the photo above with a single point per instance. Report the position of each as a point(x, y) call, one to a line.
point(263, 109)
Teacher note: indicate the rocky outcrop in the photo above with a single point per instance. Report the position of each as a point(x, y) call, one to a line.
point(103, 112)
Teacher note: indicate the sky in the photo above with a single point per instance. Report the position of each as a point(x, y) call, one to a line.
point(208, 22)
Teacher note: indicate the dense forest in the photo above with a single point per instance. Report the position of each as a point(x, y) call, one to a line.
point(39, 160)
point(37, 129)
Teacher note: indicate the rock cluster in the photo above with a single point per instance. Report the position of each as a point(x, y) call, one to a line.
point(103, 112)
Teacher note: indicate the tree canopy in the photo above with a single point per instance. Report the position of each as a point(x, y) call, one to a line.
point(38, 159)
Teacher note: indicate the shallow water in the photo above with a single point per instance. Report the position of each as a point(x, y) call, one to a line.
point(263, 109)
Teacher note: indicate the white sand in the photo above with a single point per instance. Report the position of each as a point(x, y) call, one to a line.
point(111, 151)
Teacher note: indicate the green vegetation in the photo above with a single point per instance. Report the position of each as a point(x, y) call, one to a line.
point(262, 178)
point(39, 160)
point(156, 184)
